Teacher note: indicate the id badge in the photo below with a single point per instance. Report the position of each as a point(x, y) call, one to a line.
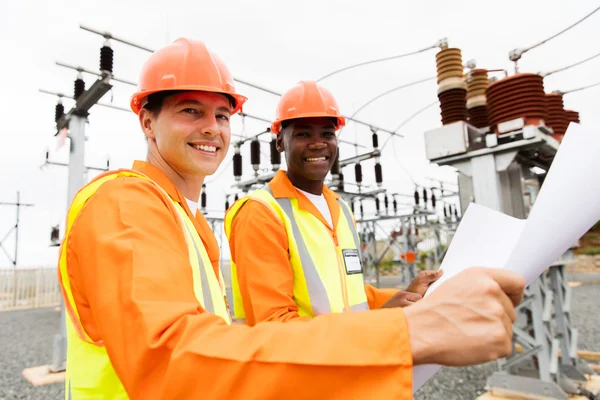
point(352, 261)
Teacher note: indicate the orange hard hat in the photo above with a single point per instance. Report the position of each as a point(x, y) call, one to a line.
point(185, 64)
point(306, 99)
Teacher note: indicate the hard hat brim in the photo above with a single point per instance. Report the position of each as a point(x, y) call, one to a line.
point(137, 100)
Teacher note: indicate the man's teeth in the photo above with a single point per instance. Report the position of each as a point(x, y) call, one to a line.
point(210, 149)
point(316, 159)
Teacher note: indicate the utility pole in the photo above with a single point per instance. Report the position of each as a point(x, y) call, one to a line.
point(15, 228)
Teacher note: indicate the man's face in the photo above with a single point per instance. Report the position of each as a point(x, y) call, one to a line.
point(191, 132)
point(310, 147)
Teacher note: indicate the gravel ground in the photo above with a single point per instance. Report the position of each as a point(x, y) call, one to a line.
point(26, 340)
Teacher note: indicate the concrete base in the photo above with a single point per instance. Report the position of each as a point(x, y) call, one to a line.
point(41, 375)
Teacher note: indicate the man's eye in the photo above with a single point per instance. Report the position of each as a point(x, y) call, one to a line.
point(189, 111)
point(301, 134)
point(328, 134)
point(223, 117)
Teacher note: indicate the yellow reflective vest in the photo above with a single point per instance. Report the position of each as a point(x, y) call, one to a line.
point(328, 275)
point(90, 374)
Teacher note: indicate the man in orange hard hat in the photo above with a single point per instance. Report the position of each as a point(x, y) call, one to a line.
point(147, 316)
point(304, 256)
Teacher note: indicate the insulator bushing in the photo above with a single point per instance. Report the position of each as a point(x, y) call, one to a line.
point(478, 116)
point(572, 116)
point(455, 212)
point(445, 212)
point(358, 173)
point(335, 169)
point(449, 64)
point(518, 96)
point(377, 204)
point(236, 197)
point(425, 196)
point(557, 118)
point(255, 153)
point(352, 206)
point(378, 174)
point(106, 59)
point(477, 83)
point(453, 104)
point(79, 88)
point(395, 205)
point(275, 155)
point(362, 210)
point(226, 203)
point(386, 202)
point(203, 197)
point(59, 111)
point(341, 184)
point(433, 200)
point(375, 140)
point(416, 197)
point(237, 166)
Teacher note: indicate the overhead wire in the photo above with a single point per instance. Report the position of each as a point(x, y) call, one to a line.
point(523, 51)
point(581, 88)
point(570, 66)
point(375, 61)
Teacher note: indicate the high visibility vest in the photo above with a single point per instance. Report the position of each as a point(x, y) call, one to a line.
point(90, 374)
point(322, 282)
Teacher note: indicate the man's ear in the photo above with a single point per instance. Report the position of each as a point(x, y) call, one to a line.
point(147, 123)
point(279, 142)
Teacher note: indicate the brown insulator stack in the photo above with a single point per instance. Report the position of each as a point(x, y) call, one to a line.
point(452, 91)
point(477, 84)
point(517, 96)
point(557, 118)
point(572, 116)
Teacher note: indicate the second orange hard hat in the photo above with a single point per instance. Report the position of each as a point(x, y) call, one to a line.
point(185, 64)
point(306, 99)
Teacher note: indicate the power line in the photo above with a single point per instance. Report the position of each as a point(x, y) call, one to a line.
point(407, 120)
point(442, 42)
point(391, 91)
point(516, 54)
point(570, 66)
point(581, 88)
point(385, 94)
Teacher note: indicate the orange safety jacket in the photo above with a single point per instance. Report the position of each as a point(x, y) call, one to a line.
point(130, 277)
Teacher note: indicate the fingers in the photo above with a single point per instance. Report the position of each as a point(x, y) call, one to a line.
point(511, 283)
point(429, 276)
point(413, 297)
point(508, 326)
point(509, 308)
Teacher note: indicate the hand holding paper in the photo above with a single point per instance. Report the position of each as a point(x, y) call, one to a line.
point(567, 206)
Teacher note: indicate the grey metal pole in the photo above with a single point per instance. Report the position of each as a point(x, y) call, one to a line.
point(76, 181)
point(17, 229)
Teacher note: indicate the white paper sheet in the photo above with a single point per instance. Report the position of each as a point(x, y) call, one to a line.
point(567, 206)
point(484, 238)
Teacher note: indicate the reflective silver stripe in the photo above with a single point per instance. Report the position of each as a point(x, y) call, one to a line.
point(70, 395)
point(316, 290)
point(206, 293)
point(350, 224)
point(359, 307)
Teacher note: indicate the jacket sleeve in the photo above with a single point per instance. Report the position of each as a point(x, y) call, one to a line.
point(128, 264)
point(259, 249)
point(378, 297)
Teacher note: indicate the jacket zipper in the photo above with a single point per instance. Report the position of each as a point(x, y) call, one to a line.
point(342, 274)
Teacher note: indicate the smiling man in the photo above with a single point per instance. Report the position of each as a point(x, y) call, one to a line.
point(146, 311)
point(294, 245)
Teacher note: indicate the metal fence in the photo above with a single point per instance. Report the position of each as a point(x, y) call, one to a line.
point(22, 288)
